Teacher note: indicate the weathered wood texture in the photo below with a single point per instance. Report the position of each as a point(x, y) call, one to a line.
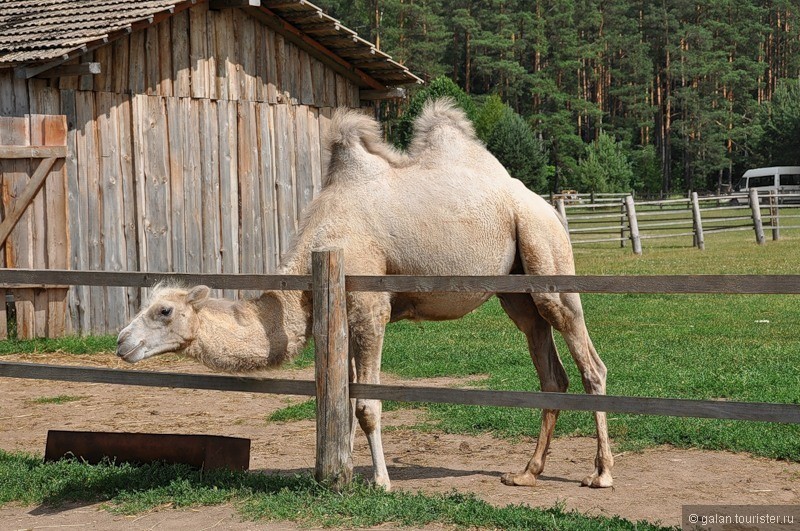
point(755, 411)
point(208, 54)
point(706, 284)
point(693, 216)
point(33, 231)
point(636, 242)
point(194, 151)
point(334, 462)
point(755, 207)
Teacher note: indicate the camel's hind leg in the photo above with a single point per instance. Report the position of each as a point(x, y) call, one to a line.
point(521, 309)
point(565, 314)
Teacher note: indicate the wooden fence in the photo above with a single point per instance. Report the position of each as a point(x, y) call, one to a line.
point(627, 220)
point(195, 149)
point(332, 389)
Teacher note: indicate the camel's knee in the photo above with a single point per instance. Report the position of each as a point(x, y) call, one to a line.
point(368, 413)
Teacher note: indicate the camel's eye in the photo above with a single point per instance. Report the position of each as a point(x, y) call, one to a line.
point(166, 312)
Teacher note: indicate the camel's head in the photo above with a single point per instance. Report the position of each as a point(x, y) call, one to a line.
point(168, 322)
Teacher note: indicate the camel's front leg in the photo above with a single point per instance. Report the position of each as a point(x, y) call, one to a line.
point(366, 342)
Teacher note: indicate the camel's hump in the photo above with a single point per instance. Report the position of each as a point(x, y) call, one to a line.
point(357, 147)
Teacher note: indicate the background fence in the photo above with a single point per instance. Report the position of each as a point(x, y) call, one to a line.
point(622, 221)
point(332, 388)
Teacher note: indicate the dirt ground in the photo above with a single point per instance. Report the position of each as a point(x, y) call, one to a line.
point(651, 485)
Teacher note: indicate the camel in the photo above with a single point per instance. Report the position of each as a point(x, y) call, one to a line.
point(446, 206)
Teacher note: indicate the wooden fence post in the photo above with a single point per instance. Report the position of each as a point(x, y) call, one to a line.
point(699, 241)
point(563, 211)
point(774, 215)
point(622, 224)
point(636, 241)
point(755, 207)
point(334, 465)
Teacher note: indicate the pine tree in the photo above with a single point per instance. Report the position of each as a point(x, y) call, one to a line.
point(780, 121)
point(489, 114)
point(605, 168)
point(513, 143)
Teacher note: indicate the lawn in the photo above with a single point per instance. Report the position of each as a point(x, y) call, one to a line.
point(720, 347)
point(728, 347)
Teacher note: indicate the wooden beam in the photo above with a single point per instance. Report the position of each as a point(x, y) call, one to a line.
point(755, 207)
point(284, 5)
point(633, 223)
point(176, 380)
point(24, 199)
point(673, 407)
point(334, 465)
point(270, 19)
point(670, 407)
point(217, 5)
point(83, 69)
point(707, 284)
point(373, 95)
point(133, 279)
point(32, 152)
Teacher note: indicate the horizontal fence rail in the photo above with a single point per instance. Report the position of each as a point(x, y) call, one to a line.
point(332, 441)
point(674, 407)
point(641, 284)
point(675, 218)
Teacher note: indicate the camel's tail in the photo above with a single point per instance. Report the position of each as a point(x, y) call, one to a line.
point(440, 123)
point(354, 139)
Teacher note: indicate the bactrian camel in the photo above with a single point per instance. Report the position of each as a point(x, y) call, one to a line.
point(446, 206)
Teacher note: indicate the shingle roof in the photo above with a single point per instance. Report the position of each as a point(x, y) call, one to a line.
point(37, 31)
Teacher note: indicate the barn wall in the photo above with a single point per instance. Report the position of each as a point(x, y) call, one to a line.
point(192, 152)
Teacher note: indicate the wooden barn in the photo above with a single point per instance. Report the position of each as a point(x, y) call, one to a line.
point(163, 135)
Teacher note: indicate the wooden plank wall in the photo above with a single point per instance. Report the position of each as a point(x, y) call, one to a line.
point(216, 55)
point(195, 150)
point(40, 239)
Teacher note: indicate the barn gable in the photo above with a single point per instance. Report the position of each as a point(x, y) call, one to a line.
point(194, 149)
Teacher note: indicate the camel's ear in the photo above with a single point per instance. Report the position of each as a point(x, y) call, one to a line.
point(198, 296)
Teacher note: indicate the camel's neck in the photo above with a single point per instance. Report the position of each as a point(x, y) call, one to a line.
point(251, 335)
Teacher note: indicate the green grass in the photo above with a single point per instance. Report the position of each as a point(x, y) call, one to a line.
point(685, 346)
point(677, 346)
point(60, 399)
point(130, 489)
point(728, 347)
point(69, 345)
point(307, 410)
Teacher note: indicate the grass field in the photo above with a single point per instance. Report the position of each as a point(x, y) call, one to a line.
point(684, 346)
point(725, 347)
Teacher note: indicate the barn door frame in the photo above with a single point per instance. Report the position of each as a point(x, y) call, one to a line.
point(33, 148)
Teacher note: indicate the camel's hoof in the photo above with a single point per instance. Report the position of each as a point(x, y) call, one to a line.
point(383, 483)
point(598, 481)
point(523, 479)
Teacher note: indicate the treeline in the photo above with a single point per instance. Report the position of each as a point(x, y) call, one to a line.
point(690, 93)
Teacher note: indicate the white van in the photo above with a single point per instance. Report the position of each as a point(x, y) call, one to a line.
point(782, 179)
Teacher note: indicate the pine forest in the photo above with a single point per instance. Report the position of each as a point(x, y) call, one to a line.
point(656, 96)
